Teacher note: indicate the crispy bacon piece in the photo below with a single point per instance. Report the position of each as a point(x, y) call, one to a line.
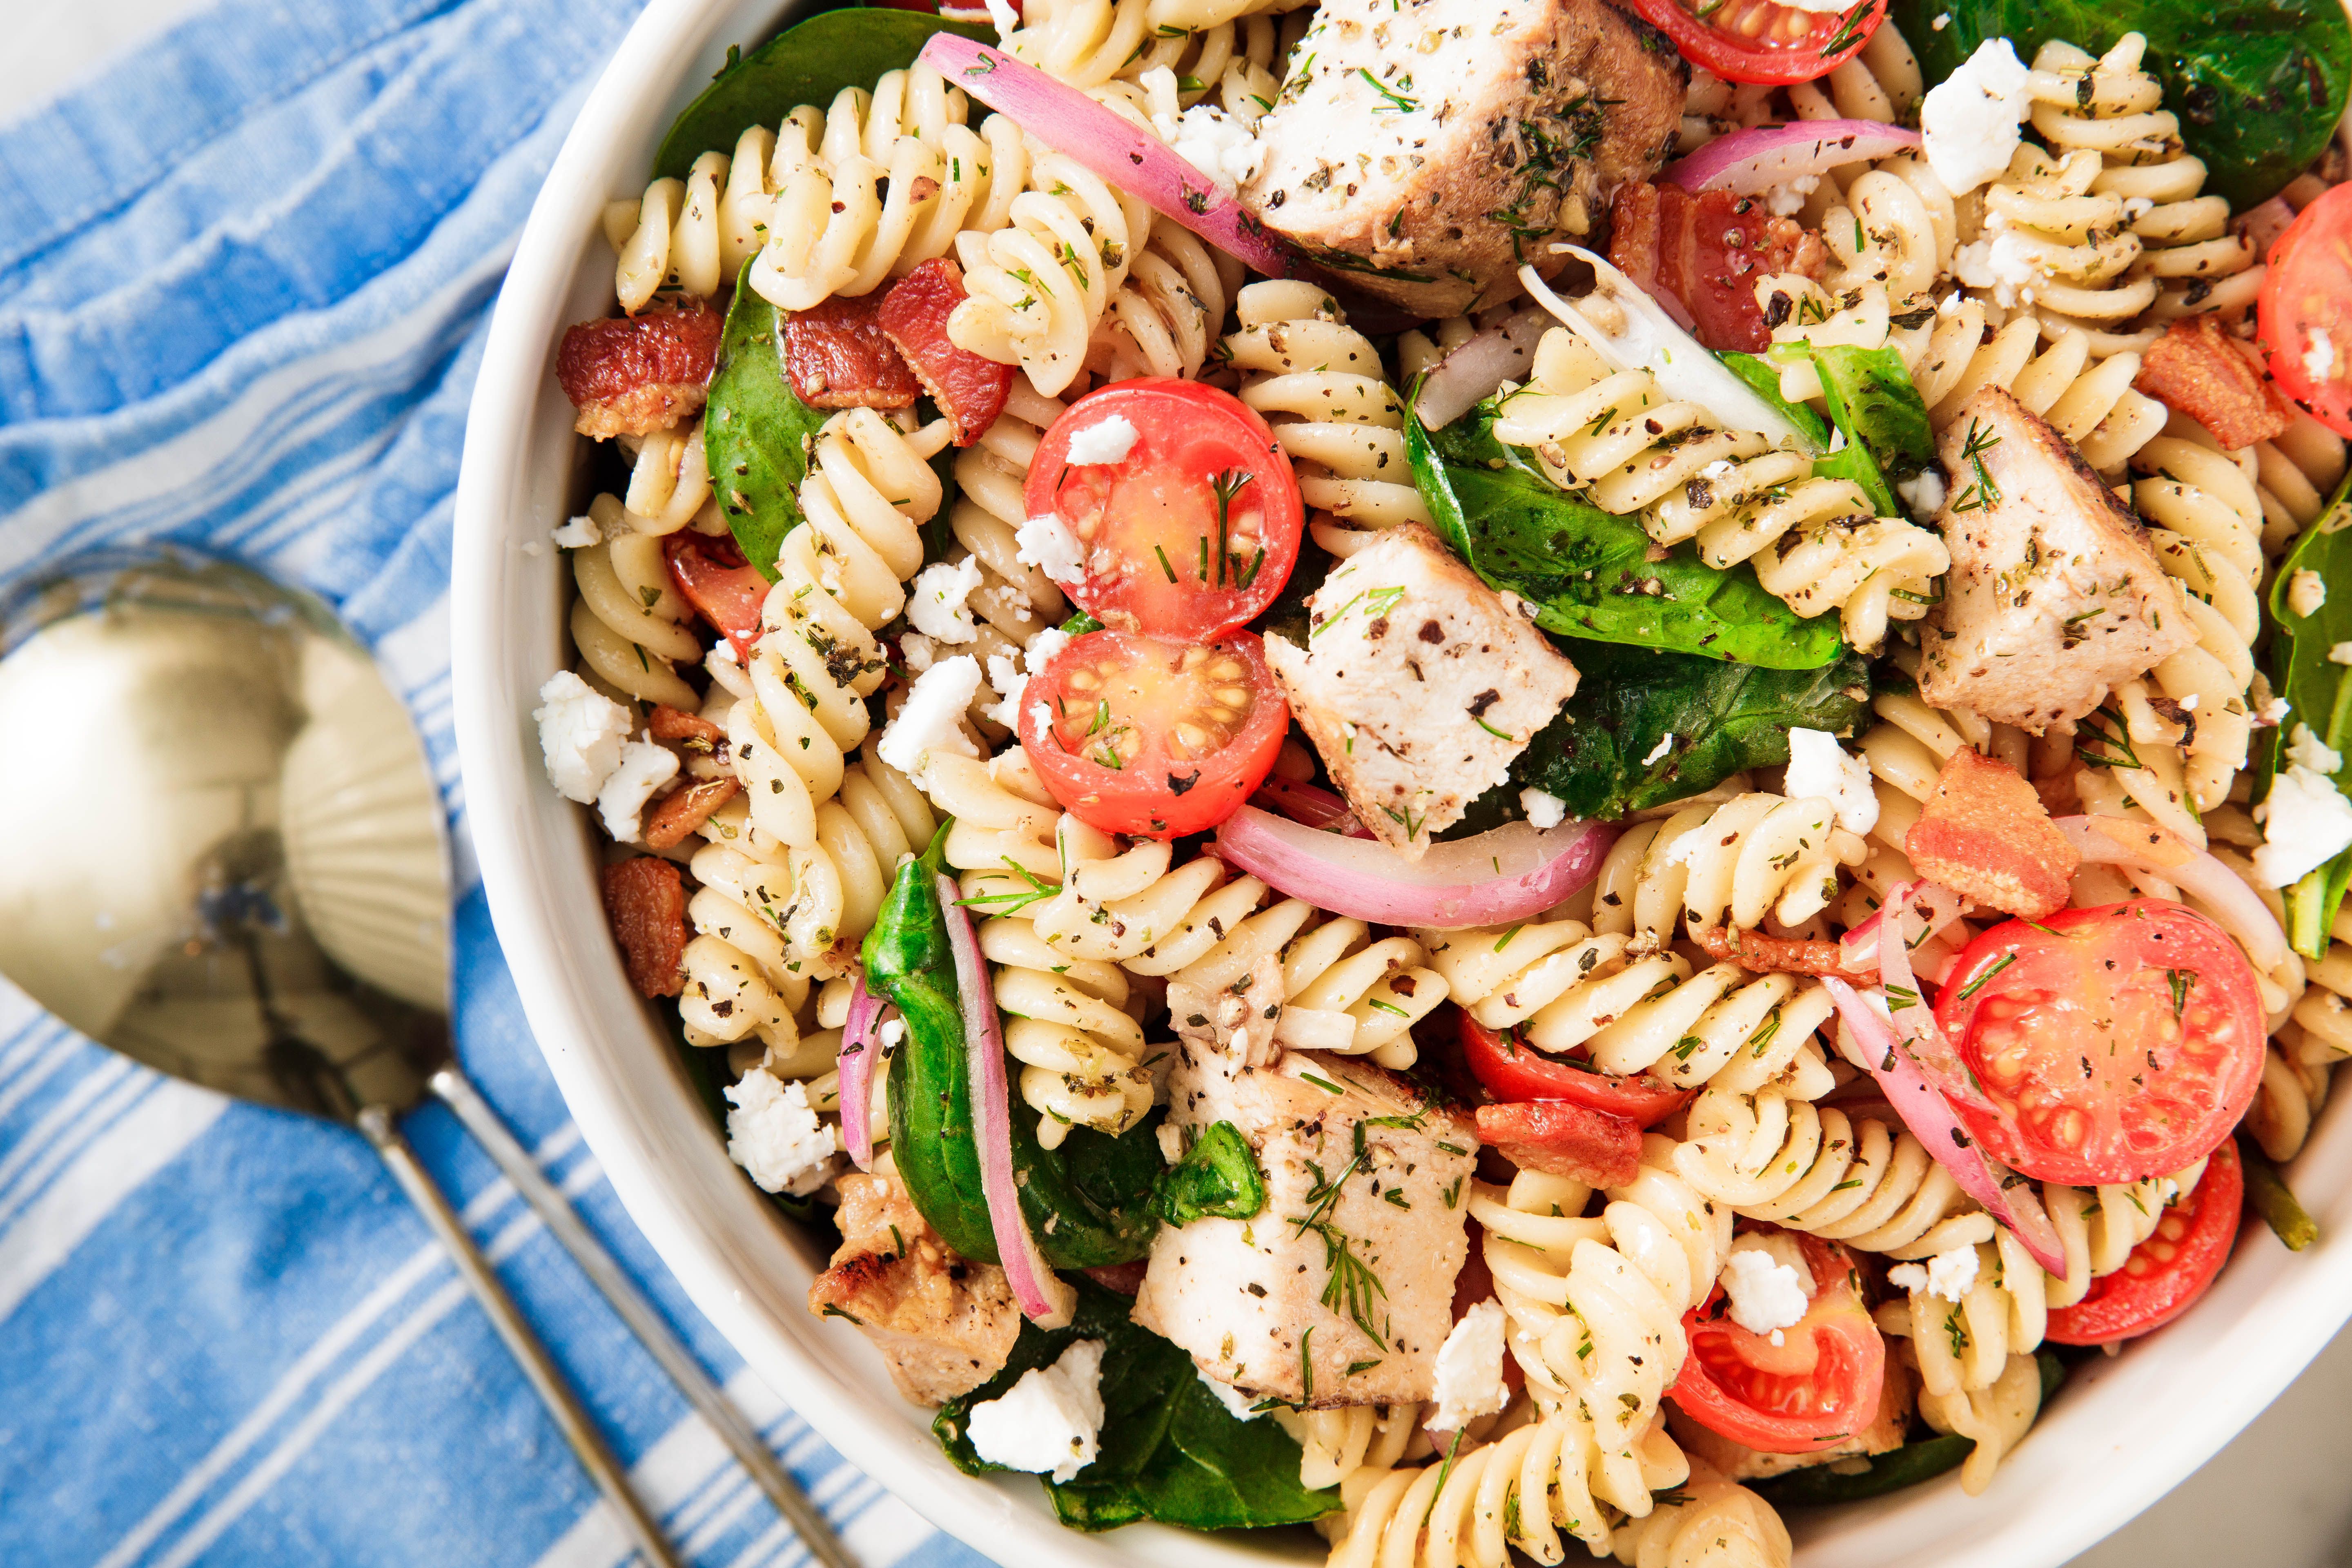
point(1563, 1139)
point(1701, 256)
point(724, 589)
point(969, 389)
point(645, 903)
point(668, 723)
point(632, 374)
point(683, 811)
point(1985, 834)
point(1763, 954)
point(837, 357)
point(2206, 374)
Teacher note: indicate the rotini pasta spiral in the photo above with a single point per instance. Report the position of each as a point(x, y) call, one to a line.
point(669, 482)
point(1337, 1443)
point(1996, 1418)
point(2305, 1049)
point(1014, 602)
point(1860, 1181)
point(1087, 43)
point(1713, 1523)
point(1740, 863)
point(1882, 82)
point(2295, 475)
point(629, 622)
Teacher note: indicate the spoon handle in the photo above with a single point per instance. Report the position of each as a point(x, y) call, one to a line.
point(742, 1440)
point(571, 1419)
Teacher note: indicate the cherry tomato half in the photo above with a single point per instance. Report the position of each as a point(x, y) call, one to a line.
point(2113, 1044)
point(1761, 40)
point(1153, 737)
point(1821, 1382)
point(1194, 530)
point(724, 589)
point(2165, 1274)
point(1512, 1072)
point(2305, 312)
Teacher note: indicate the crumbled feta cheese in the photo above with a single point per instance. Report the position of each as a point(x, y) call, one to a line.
point(1006, 17)
point(1243, 1406)
point(2008, 264)
point(1048, 543)
point(892, 1032)
point(939, 600)
point(1950, 1275)
point(1172, 1143)
point(1470, 1369)
point(579, 533)
point(1043, 713)
point(774, 1133)
point(1221, 146)
point(917, 652)
point(1107, 440)
point(2306, 750)
point(2340, 654)
point(932, 720)
point(1010, 678)
point(1943, 20)
point(1787, 201)
point(1768, 1283)
point(643, 768)
point(581, 731)
point(1720, 469)
point(1924, 493)
point(2189, 703)
point(2266, 706)
point(1969, 123)
point(1544, 808)
point(2306, 592)
point(1821, 769)
point(1665, 744)
point(2306, 823)
point(2319, 355)
point(1048, 1423)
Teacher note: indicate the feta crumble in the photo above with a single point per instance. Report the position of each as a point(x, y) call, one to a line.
point(1006, 19)
point(1107, 440)
point(2306, 822)
point(2008, 264)
point(1048, 543)
point(1049, 1422)
point(1219, 144)
point(1665, 744)
point(1787, 201)
point(1924, 493)
point(1767, 1282)
point(774, 1133)
point(1949, 1275)
point(1821, 769)
point(939, 601)
point(1544, 809)
point(643, 768)
point(932, 720)
point(1470, 1369)
point(2306, 750)
point(579, 533)
point(2319, 355)
point(1243, 1406)
point(1969, 123)
point(917, 652)
point(580, 733)
point(1009, 676)
point(2306, 592)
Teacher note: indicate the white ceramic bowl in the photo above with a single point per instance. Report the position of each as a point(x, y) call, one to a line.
point(2118, 1436)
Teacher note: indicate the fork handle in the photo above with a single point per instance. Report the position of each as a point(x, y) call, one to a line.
point(562, 1405)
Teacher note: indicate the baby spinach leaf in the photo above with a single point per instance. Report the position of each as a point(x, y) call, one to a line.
point(1763, 378)
point(2258, 84)
point(1872, 399)
point(805, 64)
point(757, 432)
point(1170, 1450)
point(1218, 1176)
point(2318, 692)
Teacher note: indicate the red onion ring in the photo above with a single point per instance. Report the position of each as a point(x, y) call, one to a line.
point(1124, 156)
point(1317, 808)
point(1043, 1298)
point(859, 1043)
point(1477, 369)
point(1496, 878)
point(2144, 846)
point(1762, 157)
point(1858, 949)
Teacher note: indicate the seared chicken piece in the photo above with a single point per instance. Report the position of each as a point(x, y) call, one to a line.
point(1341, 1290)
point(1429, 148)
point(1418, 684)
point(2054, 594)
point(943, 1324)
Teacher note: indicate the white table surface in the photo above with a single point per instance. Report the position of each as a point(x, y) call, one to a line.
point(2277, 1496)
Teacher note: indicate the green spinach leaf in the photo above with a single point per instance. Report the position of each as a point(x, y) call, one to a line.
point(1218, 1178)
point(1872, 399)
point(2318, 692)
point(2258, 84)
point(757, 432)
point(1763, 378)
point(805, 64)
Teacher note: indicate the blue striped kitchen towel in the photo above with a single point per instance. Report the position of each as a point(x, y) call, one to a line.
point(245, 280)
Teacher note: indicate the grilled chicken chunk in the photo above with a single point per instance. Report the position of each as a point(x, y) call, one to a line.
point(2054, 594)
point(1429, 149)
point(1418, 684)
point(1340, 1290)
point(943, 1324)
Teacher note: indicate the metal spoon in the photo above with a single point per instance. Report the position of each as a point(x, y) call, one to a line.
point(229, 865)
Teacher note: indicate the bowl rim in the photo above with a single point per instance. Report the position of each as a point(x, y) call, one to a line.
point(725, 1244)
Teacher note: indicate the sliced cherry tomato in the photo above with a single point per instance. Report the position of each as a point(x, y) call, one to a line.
point(1514, 1071)
point(2305, 312)
point(1153, 737)
point(1760, 40)
point(2111, 1044)
point(1194, 530)
point(1820, 1384)
point(2165, 1274)
point(724, 589)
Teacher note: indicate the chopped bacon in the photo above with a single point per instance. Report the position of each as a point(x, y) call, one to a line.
point(645, 900)
point(969, 390)
point(668, 723)
point(2210, 376)
point(838, 357)
point(1563, 1139)
point(1985, 834)
point(683, 811)
point(726, 590)
point(1702, 254)
point(633, 374)
point(1763, 954)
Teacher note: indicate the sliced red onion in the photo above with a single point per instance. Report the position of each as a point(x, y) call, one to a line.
point(1041, 1296)
point(1929, 1116)
point(1495, 878)
point(1933, 902)
point(1317, 808)
point(1764, 157)
point(1114, 150)
point(860, 1043)
point(1477, 369)
point(2144, 846)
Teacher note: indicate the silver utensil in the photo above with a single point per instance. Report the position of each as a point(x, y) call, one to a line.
point(228, 863)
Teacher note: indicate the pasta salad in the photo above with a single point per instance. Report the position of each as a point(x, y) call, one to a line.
point(1486, 773)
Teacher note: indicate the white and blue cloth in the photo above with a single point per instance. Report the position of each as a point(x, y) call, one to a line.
point(245, 280)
